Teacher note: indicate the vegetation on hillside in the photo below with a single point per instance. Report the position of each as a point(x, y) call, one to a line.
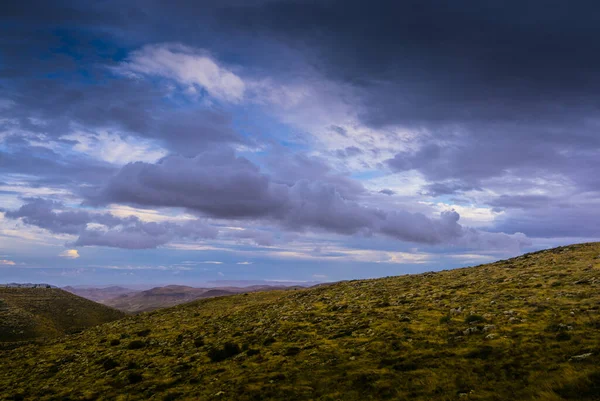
point(520, 329)
point(35, 313)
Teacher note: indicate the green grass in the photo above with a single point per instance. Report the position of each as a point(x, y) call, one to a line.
point(34, 313)
point(503, 331)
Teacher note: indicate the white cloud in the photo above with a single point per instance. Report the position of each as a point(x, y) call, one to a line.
point(244, 263)
point(148, 215)
point(189, 67)
point(69, 254)
point(115, 148)
point(470, 215)
point(6, 262)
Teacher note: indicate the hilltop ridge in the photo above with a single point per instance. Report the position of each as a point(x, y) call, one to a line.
point(28, 313)
point(526, 328)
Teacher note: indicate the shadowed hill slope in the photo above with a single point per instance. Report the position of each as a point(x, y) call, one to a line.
point(30, 313)
point(521, 329)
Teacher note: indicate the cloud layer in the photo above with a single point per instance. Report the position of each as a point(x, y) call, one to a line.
point(221, 185)
point(306, 130)
point(105, 229)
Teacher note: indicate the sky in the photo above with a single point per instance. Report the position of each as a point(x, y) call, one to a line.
point(186, 142)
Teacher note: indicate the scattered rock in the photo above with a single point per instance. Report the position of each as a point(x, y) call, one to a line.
point(580, 357)
point(489, 327)
point(490, 336)
point(470, 330)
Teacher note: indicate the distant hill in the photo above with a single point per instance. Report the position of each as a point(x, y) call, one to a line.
point(527, 328)
point(28, 313)
point(99, 294)
point(171, 295)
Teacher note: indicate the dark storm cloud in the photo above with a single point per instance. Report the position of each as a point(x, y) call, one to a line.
point(56, 68)
point(417, 61)
point(501, 89)
point(290, 168)
point(129, 232)
point(43, 166)
point(220, 184)
point(506, 95)
point(215, 182)
point(127, 105)
point(465, 160)
point(554, 221)
point(40, 212)
point(435, 60)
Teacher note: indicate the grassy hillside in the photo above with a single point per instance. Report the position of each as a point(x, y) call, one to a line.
point(30, 313)
point(522, 329)
point(171, 295)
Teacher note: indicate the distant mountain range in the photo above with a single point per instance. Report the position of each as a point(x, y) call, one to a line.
point(133, 301)
point(99, 294)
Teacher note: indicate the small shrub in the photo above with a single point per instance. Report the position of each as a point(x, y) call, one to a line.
point(198, 342)
point(109, 363)
point(474, 319)
point(252, 352)
point(134, 377)
point(143, 333)
point(292, 351)
point(172, 396)
point(445, 319)
point(115, 342)
point(136, 344)
point(227, 351)
point(480, 353)
point(269, 341)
